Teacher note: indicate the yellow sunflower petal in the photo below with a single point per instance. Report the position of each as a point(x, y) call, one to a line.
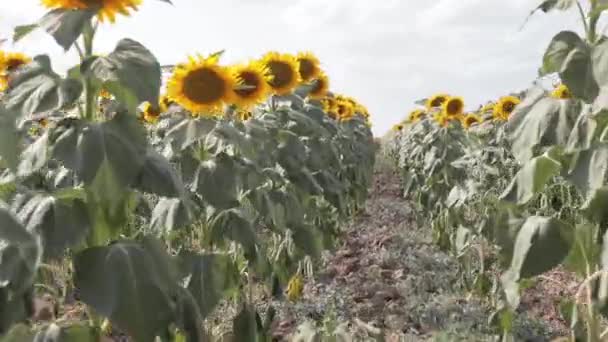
point(453, 106)
point(436, 101)
point(504, 107)
point(320, 87)
point(561, 92)
point(470, 120)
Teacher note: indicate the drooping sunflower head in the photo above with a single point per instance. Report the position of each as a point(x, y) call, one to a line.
point(320, 86)
point(202, 86)
point(150, 113)
point(416, 115)
point(398, 128)
point(344, 110)
point(108, 9)
point(309, 66)
point(283, 72)
point(505, 106)
point(244, 114)
point(436, 101)
point(453, 106)
point(329, 104)
point(11, 61)
point(442, 119)
point(561, 92)
point(252, 84)
point(470, 120)
point(165, 102)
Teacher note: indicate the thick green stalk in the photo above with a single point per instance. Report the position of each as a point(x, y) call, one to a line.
point(90, 96)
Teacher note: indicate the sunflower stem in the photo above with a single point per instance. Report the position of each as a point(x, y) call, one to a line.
point(90, 97)
point(583, 17)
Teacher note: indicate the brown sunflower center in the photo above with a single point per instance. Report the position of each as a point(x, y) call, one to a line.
point(508, 107)
point(307, 69)
point(204, 86)
point(565, 94)
point(471, 120)
point(252, 82)
point(282, 74)
point(318, 87)
point(13, 63)
point(454, 107)
point(438, 101)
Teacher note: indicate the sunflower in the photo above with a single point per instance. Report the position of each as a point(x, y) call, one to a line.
point(108, 9)
point(561, 92)
point(165, 102)
point(344, 110)
point(309, 67)
point(11, 61)
point(3, 83)
point(252, 84)
point(505, 106)
point(398, 128)
point(282, 71)
point(436, 101)
point(202, 86)
point(416, 115)
point(453, 107)
point(150, 113)
point(471, 119)
point(320, 86)
point(442, 119)
point(104, 94)
point(330, 104)
point(244, 115)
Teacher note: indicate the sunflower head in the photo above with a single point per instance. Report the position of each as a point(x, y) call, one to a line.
point(3, 83)
point(252, 84)
point(165, 102)
point(505, 106)
point(442, 119)
point(108, 9)
point(436, 101)
point(104, 94)
point(309, 66)
point(470, 120)
point(453, 106)
point(202, 86)
point(244, 115)
point(11, 61)
point(329, 104)
point(282, 71)
point(561, 92)
point(344, 110)
point(320, 86)
point(150, 113)
point(416, 115)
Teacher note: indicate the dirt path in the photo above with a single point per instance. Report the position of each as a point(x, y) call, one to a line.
point(388, 273)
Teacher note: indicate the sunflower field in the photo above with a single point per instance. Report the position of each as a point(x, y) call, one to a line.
point(161, 200)
point(519, 186)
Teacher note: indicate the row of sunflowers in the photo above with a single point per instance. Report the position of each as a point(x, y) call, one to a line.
point(443, 109)
point(155, 204)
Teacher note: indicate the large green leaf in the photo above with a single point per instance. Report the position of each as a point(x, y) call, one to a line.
point(209, 278)
point(34, 157)
point(170, 214)
point(36, 88)
point(9, 139)
point(217, 182)
point(159, 177)
point(531, 179)
point(540, 122)
point(589, 170)
point(20, 252)
point(115, 149)
point(189, 130)
point(130, 283)
point(130, 72)
point(61, 222)
point(232, 224)
point(65, 25)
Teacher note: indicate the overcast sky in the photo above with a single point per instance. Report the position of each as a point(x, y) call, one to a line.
point(385, 53)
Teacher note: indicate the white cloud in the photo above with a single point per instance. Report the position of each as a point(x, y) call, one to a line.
point(386, 53)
